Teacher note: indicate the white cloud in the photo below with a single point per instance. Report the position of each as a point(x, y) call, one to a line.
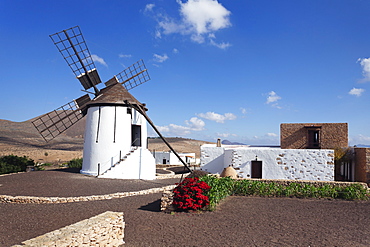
point(163, 129)
point(266, 139)
point(149, 7)
point(272, 99)
point(98, 59)
point(356, 91)
point(158, 34)
point(271, 134)
point(204, 16)
point(359, 139)
point(175, 51)
point(223, 135)
point(194, 124)
point(220, 45)
point(365, 64)
point(159, 58)
point(199, 18)
point(217, 117)
point(243, 110)
point(124, 55)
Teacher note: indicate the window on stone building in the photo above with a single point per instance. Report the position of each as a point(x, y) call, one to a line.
point(313, 138)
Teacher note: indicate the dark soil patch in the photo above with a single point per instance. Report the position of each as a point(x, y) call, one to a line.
point(178, 169)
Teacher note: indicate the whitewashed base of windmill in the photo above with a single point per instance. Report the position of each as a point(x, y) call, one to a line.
point(109, 151)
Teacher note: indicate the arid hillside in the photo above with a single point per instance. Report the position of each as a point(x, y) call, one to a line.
point(21, 138)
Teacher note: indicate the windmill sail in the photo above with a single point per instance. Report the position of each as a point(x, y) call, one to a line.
point(51, 124)
point(133, 76)
point(71, 44)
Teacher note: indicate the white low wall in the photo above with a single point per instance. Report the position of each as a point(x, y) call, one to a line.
point(294, 164)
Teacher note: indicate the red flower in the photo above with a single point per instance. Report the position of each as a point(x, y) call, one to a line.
point(189, 194)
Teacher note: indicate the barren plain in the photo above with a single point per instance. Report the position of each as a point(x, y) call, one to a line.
point(22, 139)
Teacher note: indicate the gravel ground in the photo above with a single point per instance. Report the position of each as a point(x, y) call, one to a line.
point(69, 182)
point(238, 221)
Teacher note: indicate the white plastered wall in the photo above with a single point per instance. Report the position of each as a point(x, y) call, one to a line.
point(108, 138)
point(160, 156)
point(138, 165)
point(172, 159)
point(295, 164)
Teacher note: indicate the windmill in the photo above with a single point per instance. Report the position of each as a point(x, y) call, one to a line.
point(115, 141)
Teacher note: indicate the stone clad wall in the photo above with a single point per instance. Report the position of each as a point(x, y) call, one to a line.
point(106, 229)
point(294, 164)
point(332, 135)
point(362, 167)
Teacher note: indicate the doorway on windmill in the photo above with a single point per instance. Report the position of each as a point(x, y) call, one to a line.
point(256, 169)
point(136, 135)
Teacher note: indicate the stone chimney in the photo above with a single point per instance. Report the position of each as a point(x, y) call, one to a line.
point(218, 142)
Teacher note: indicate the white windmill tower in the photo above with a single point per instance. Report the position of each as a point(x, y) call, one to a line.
point(115, 142)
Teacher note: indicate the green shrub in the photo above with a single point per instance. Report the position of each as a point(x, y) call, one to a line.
point(13, 163)
point(353, 192)
point(223, 187)
point(220, 188)
point(75, 163)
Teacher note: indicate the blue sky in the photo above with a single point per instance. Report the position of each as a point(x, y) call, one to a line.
point(233, 70)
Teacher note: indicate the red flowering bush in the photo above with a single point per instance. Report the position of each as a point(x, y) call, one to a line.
point(188, 195)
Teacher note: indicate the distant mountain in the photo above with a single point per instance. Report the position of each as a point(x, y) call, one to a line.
point(226, 142)
point(362, 146)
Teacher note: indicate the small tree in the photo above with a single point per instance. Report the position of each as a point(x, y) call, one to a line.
point(341, 156)
point(75, 163)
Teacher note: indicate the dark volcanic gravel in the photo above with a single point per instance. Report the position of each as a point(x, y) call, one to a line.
point(69, 182)
point(238, 221)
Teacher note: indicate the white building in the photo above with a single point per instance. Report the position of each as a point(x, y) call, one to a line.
point(269, 163)
point(169, 158)
point(115, 143)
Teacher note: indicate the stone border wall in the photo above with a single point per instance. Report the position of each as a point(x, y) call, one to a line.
point(39, 200)
point(106, 229)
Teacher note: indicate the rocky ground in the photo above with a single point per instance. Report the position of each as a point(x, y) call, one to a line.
point(238, 221)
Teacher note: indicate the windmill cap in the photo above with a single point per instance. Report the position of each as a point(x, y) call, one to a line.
point(115, 94)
